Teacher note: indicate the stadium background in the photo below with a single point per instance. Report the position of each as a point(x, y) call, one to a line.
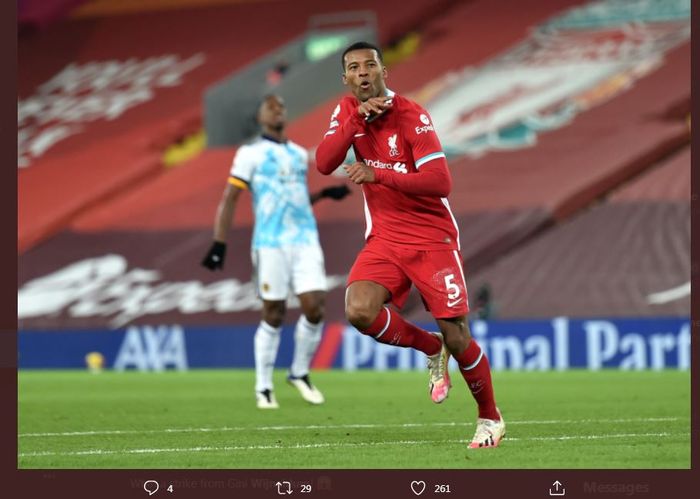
point(567, 125)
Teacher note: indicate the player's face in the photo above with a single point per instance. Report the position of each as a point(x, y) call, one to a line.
point(364, 74)
point(273, 113)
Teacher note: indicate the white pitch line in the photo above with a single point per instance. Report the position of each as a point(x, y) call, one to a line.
point(102, 452)
point(669, 295)
point(331, 427)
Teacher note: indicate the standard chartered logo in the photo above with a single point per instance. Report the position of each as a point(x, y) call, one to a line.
point(397, 167)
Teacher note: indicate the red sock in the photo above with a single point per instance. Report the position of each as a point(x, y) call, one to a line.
point(390, 328)
point(476, 371)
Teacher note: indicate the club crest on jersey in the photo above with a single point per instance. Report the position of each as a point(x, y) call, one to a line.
point(393, 151)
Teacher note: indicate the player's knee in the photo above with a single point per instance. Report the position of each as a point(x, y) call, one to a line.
point(274, 316)
point(315, 315)
point(457, 337)
point(274, 320)
point(359, 315)
point(456, 344)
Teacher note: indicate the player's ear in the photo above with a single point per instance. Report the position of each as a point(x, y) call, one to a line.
point(345, 80)
point(384, 73)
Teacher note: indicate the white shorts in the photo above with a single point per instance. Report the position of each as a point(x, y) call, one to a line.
point(276, 271)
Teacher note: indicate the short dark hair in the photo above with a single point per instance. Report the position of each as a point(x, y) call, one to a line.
point(360, 46)
point(267, 96)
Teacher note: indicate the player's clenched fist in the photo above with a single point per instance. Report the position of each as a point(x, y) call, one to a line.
point(214, 259)
point(360, 173)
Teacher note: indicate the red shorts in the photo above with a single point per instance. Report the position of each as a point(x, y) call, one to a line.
point(437, 274)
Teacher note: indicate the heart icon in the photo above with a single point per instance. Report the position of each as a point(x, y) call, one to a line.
point(418, 487)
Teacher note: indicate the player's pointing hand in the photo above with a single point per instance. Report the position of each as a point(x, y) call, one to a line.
point(374, 106)
point(360, 173)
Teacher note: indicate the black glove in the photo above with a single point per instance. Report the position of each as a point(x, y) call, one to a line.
point(215, 257)
point(336, 192)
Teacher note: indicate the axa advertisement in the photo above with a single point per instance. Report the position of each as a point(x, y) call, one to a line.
point(559, 343)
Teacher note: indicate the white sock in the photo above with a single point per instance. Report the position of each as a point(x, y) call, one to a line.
point(267, 341)
point(307, 336)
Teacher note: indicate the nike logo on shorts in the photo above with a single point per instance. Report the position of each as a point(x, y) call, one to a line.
point(453, 303)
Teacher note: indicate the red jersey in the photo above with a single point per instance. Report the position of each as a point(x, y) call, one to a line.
point(408, 203)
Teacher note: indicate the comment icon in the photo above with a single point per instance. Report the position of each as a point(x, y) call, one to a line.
point(150, 486)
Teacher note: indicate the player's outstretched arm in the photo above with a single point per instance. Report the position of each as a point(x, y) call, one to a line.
point(336, 192)
point(214, 259)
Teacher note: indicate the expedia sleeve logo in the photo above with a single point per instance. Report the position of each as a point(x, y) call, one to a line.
point(428, 127)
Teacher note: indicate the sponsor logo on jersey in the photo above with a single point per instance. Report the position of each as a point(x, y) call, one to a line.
point(428, 127)
point(393, 151)
point(424, 129)
point(453, 303)
point(397, 167)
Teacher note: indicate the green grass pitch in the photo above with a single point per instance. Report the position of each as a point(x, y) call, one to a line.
point(208, 419)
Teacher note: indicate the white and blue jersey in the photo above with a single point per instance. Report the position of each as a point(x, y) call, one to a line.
point(275, 173)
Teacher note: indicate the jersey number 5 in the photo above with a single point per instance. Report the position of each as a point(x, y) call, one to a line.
point(452, 288)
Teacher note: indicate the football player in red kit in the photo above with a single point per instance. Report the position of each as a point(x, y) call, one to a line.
point(411, 237)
